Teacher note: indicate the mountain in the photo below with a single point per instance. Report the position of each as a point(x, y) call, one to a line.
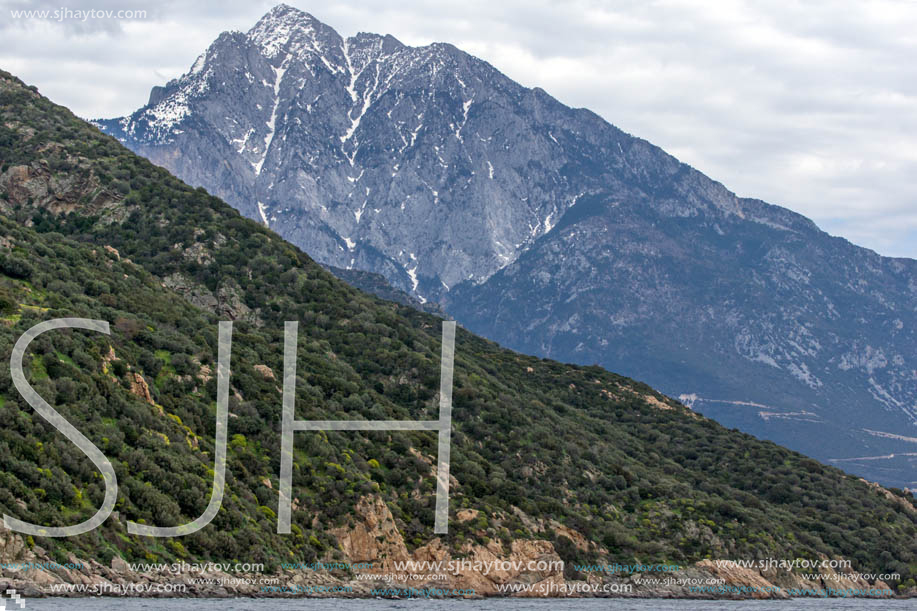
point(376, 284)
point(767, 325)
point(423, 164)
point(549, 230)
point(549, 461)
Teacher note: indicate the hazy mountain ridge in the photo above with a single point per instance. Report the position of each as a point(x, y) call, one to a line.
point(430, 167)
point(771, 345)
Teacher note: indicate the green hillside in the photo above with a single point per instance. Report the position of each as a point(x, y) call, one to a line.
point(88, 229)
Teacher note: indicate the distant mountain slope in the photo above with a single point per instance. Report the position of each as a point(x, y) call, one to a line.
point(595, 466)
point(747, 322)
point(376, 284)
point(549, 230)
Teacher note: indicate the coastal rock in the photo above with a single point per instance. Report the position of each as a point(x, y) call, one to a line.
point(375, 537)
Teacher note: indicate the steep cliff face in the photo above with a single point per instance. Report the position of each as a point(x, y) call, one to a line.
point(549, 230)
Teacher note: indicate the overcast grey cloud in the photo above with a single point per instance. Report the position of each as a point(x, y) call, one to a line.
point(811, 105)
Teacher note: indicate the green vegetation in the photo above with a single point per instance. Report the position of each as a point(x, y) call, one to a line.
point(634, 472)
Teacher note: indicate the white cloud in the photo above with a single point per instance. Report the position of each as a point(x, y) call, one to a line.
point(806, 104)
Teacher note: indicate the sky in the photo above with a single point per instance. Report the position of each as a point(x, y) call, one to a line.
point(811, 105)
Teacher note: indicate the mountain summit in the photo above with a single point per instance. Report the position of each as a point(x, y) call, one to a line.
point(549, 230)
point(411, 162)
point(424, 164)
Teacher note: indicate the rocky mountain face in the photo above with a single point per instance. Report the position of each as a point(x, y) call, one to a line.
point(378, 285)
point(549, 230)
point(417, 163)
point(754, 317)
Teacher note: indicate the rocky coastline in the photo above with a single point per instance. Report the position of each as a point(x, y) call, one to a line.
point(519, 568)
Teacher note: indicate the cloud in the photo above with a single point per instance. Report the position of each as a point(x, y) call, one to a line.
point(806, 104)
